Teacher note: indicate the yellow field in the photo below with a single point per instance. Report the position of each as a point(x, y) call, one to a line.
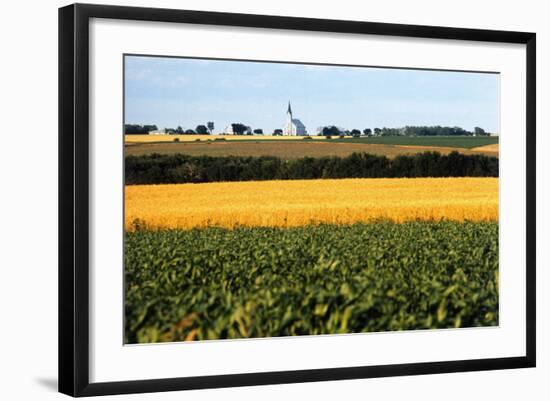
point(487, 148)
point(193, 138)
point(302, 202)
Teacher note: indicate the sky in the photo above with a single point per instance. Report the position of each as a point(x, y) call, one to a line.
point(171, 92)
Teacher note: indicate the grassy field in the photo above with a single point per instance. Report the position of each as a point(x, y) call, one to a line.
point(294, 149)
point(466, 142)
point(444, 141)
point(302, 202)
point(216, 283)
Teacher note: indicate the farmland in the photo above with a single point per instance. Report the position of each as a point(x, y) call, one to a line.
point(290, 149)
point(295, 147)
point(217, 283)
point(246, 237)
point(303, 202)
point(466, 142)
point(449, 141)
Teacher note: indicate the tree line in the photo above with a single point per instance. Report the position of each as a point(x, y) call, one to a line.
point(136, 129)
point(201, 129)
point(180, 168)
point(436, 130)
point(332, 130)
point(329, 130)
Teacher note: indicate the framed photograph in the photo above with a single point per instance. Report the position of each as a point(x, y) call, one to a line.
point(251, 199)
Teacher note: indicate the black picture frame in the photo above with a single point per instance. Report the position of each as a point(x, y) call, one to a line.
point(74, 198)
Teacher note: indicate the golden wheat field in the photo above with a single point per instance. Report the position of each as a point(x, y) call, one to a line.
point(302, 202)
point(492, 148)
point(193, 138)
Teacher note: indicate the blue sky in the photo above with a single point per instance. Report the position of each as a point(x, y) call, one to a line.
point(175, 91)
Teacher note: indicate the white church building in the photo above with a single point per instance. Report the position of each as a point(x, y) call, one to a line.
point(293, 126)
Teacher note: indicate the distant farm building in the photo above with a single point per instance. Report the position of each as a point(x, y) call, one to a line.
point(158, 132)
point(293, 126)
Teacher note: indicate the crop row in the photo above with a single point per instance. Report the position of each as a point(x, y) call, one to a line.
point(217, 283)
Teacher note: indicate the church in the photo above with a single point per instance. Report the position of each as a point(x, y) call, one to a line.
point(293, 126)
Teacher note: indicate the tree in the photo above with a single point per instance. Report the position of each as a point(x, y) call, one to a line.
point(259, 131)
point(179, 130)
point(210, 125)
point(190, 132)
point(239, 129)
point(479, 131)
point(201, 130)
point(278, 132)
point(147, 128)
point(330, 130)
point(391, 131)
point(377, 131)
point(136, 129)
point(355, 133)
point(367, 132)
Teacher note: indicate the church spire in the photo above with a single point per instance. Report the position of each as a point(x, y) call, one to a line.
point(289, 111)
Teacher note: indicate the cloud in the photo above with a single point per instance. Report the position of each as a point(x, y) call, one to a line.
point(259, 84)
point(180, 80)
point(226, 82)
point(138, 73)
point(164, 81)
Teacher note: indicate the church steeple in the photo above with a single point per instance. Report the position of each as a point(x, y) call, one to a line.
point(293, 126)
point(289, 123)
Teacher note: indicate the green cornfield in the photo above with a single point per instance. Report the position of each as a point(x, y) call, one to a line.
point(215, 283)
